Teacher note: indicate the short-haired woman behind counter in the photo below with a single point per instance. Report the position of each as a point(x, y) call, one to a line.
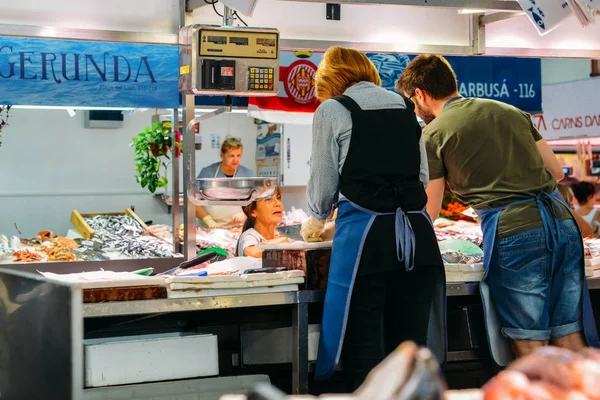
point(229, 167)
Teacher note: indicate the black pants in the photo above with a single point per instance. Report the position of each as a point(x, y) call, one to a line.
point(389, 305)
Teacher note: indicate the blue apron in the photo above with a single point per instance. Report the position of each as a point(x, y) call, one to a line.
point(352, 227)
point(500, 346)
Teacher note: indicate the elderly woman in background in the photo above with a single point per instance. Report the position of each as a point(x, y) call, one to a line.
point(229, 167)
point(263, 216)
point(386, 267)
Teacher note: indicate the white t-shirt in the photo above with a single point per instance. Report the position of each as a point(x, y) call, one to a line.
point(591, 219)
point(249, 238)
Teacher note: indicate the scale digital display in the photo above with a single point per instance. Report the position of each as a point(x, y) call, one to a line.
point(266, 42)
point(239, 41)
point(217, 39)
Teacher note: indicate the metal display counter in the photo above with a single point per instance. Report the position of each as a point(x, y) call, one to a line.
point(297, 302)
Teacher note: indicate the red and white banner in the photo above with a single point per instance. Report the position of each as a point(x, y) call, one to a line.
point(296, 101)
point(571, 109)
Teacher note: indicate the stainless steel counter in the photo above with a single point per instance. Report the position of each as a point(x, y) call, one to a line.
point(296, 302)
point(121, 308)
point(472, 288)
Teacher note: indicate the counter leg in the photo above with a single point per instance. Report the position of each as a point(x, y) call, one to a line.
point(300, 349)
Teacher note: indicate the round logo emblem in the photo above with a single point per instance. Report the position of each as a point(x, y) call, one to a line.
point(299, 82)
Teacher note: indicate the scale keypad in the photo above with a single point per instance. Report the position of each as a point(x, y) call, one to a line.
point(260, 78)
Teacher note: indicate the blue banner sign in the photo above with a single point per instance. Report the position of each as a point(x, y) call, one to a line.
point(103, 74)
point(516, 81)
point(87, 74)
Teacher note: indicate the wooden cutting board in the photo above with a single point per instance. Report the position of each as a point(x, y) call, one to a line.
point(100, 295)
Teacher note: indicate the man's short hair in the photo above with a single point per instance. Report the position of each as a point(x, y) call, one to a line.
point(431, 73)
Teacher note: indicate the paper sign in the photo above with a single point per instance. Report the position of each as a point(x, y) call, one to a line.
point(545, 15)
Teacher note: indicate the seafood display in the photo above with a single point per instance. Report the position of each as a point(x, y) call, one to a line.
point(550, 373)
point(123, 225)
point(591, 248)
point(223, 238)
point(161, 231)
point(454, 211)
point(453, 257)
point(124, 234)
point(46, 246)
point(115, 237)
point(446, 229)
point(58, 248)
point(26, 256)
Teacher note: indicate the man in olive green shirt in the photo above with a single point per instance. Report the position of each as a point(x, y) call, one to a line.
point(505, 139)
point(494, 160)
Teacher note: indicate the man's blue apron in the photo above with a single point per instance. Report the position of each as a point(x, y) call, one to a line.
point(500, 346)
point(352, 227)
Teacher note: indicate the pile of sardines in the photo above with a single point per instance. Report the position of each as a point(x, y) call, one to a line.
point(125, 235)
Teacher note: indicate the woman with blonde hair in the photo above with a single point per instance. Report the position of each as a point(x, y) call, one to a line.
point(229, 167)
point(386, 280)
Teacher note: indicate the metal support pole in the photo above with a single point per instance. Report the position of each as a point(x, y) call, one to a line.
point(175, 179)
point(227, 16)
point(300, 348)
point(189, 157)
point(189, 169)
point(477, 33)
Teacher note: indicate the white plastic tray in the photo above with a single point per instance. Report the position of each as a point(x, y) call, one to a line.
point(149, 358)
point(592, 262)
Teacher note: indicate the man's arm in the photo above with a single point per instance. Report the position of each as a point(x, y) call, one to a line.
point(435, 195)
point(550, 160)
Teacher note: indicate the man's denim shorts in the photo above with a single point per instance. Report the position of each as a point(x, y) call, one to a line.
point(538, 293)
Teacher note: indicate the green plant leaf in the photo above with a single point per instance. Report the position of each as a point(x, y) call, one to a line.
point(147, 166)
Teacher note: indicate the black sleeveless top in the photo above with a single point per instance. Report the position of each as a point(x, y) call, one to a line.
point(381, 170)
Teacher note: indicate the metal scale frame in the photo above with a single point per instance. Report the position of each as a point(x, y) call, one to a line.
point(221, 60)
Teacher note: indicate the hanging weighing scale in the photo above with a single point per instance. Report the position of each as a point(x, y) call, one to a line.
point(223, 61)
point(228, 60)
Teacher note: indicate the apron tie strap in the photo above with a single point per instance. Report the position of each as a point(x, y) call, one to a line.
point(548, 206)
point(405, 240)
